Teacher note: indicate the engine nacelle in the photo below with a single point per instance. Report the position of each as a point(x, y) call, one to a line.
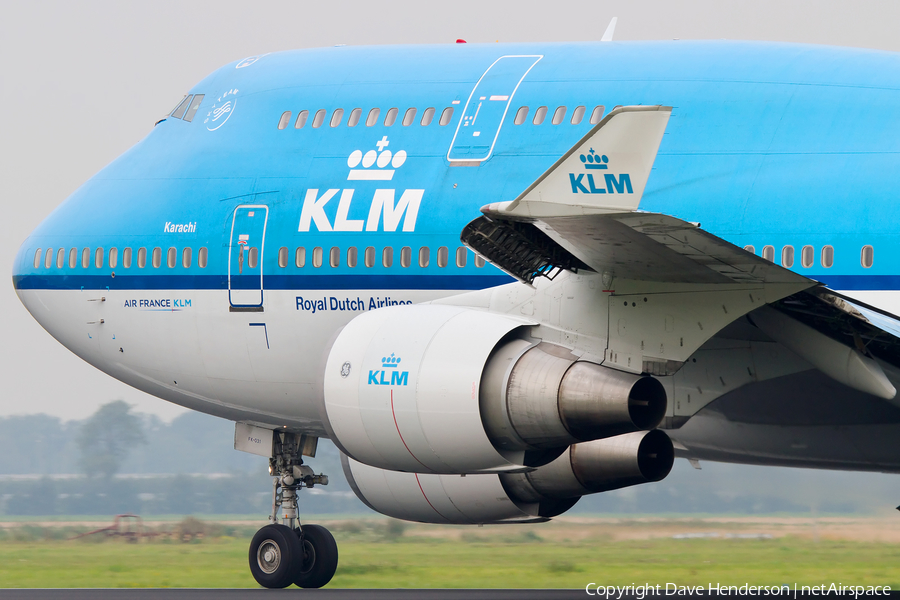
point(537, 495)
point(446, 389)
point(596, 466)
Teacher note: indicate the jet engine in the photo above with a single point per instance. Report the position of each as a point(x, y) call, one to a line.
point(446, 389)
point(536, 495)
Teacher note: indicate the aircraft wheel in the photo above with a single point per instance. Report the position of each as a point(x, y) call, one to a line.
point(319, 557)
point(274, 556)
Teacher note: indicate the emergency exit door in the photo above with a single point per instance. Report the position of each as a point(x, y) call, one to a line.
point(485, 110)
point(245, 257)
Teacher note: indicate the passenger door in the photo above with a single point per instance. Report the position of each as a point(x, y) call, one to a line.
point(245, 258)
point(486, 108)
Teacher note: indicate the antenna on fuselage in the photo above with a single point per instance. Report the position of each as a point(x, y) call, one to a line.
point(610, 30)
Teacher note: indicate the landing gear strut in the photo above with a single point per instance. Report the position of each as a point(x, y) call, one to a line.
point(288, 552)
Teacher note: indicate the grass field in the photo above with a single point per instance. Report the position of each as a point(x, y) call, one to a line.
point(566, 554)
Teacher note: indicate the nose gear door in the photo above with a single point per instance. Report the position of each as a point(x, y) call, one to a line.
point(486, 109)
point(245, 258)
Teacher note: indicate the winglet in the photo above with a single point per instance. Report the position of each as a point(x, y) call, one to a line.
point(605, 172)
point(610, 30)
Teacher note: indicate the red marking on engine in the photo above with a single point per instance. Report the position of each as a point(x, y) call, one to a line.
point(393, 414)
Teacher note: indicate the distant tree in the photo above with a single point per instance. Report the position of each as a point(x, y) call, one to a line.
point(107, 437)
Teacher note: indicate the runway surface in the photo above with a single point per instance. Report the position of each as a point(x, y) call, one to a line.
point(254, 594)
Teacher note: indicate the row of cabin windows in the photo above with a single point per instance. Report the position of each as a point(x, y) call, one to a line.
point(390, 117)
point(808, 256)
point(370, 257)
point(559, 115)
point(111, 258)
point(409, 117)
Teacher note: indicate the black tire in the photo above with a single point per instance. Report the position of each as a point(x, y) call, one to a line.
point(274, 556)
point(319, 558)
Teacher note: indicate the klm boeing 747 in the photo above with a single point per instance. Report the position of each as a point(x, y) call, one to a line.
point(546, 268)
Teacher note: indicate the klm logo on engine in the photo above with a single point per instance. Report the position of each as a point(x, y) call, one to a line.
point(385, 212)
point(603, 183)
point(389, 373)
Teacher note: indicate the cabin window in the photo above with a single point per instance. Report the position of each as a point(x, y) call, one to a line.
point(351, 256)
point(390, 117)
point(370, 256)
point(578, 115)
point(405, 256)
point(284, 120)
point(461, 256)
point(142, 258)
point(334, 256)
point(319, 118)
point(558, 115)
point(282, 256)
point(186, 258)
point(48, 258)
point(60, 258)
point(157, 257)
point(749, 248)
point(827, 256)
point(179, 110)
point(597, 115)
point(355, 114)
point(479, 261)
point(253, 257)
point(113, 258)
point(446, 116)
point(317, 257)
point(37, 258)
point(409, 117)
point(442, 255)
point(202, 258)
point(126, 258)
point(867, 257)
point(539, 115)
point(787, 257)
point(73, 258)
point(302, 116)
point(98, 258)
point(195, 105)
point(768, 253)
point(373, 117)
point(300, 257)
point(336, 117)
point(424, 256)
point(85, 258)
point(521, 115)
point(171, 257)
point(807, 256)
point(427, 116)
point(387, 256)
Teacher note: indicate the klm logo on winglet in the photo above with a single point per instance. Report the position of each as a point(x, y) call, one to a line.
point(603, 183)
point(386, 211)
point(389, 373)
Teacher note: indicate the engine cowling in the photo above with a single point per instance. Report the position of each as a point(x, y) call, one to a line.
point(445, 389)
point(545, 492)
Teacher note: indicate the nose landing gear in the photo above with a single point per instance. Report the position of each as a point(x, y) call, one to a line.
point(286, 553)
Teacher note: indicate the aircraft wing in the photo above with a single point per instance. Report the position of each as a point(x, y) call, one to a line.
point(582, 215)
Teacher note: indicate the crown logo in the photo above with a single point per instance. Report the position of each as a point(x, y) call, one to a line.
point(390, 362)
point(593, 161)
point(382, 159)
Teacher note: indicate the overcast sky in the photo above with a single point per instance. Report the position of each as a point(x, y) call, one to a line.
point(83, 81)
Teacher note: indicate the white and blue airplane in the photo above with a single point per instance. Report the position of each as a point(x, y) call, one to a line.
point(501, 277)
